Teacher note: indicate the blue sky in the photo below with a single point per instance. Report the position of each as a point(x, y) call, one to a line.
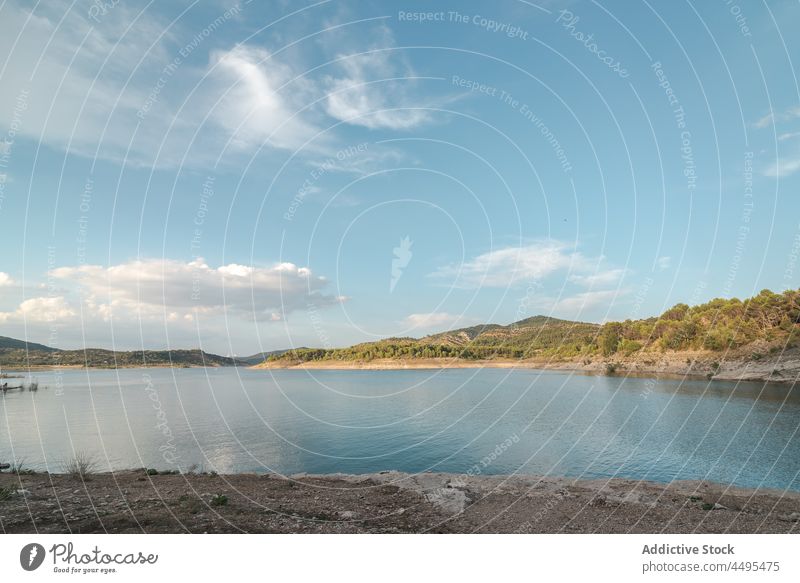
point(253, 176)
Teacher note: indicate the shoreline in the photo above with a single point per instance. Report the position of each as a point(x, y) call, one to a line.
point(784, 368)
point(134, 501)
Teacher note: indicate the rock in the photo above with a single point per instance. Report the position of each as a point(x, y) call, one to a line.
point(793, 517)
point(347, 515)
point(718, 506)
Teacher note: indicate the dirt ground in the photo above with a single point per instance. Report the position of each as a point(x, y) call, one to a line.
point(389, 502)
point(782, 366)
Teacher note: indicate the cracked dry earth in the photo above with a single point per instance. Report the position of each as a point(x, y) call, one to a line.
point(388, 502)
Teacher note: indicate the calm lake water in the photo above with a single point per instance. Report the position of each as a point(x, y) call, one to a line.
point(490, 421)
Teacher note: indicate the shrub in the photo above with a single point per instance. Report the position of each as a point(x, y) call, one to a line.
point(18, 468)
point(81, 465)
point(628, 347)
point(219, 500)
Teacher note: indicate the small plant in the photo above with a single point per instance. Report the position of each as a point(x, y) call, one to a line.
point(5, 493)
point(611, 367)
point(18, 468)
point(152, 472)
point(219, 500)
point(707, 506)
point(80, 466)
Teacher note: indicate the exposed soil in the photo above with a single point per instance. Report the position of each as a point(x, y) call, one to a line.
point(389, 502)
point(756, 362)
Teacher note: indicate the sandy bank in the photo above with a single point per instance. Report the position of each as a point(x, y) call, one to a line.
point(781, 367)
point(388, 502)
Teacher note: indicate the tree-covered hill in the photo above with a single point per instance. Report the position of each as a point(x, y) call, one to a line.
point(719, 325)
point(13, 343)
point(100, 358)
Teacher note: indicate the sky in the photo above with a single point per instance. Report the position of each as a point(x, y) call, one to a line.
point(252, 176)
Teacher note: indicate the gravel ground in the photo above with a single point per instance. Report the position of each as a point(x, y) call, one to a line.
point(389, 502)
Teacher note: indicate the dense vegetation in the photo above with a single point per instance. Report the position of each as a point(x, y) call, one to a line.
point(95, 357)
point(6, 342)
point(715, 326)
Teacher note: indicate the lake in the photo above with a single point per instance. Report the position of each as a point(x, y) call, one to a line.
point(481, 421)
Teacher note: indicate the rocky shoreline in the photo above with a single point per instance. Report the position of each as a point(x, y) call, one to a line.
point(754, 365)
point(137, 501)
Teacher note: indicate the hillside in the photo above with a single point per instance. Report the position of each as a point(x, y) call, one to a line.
point(755, 329)
point(14, 344)
point(260, 356)
point(12, 356)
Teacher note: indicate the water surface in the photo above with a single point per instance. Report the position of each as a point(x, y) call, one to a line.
point(490, 421)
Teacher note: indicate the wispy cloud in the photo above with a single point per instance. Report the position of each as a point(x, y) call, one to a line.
point(510, 266)
point(72, 76)
point(261, 99)
point(783, 167)
point(599, 278)
point(575, 304)
point(372, 85)
point(128, 90)
point(433, 320)
point(372, 92)
point(775, 117)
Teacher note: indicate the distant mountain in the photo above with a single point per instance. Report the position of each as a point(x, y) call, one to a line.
point(21, 354)
point(13, 343)
point(767, 322)
point(523, 339)
point(261, 356)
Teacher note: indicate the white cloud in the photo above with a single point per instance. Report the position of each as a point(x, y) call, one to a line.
point(574, 305)
point(372, 93)
point(124, 91)
point(778, 117)
point(41, 309)
point(598, 278)
point(783, 167)
point(5, 280)
point(373, 85)
point(788, 136)
point(664, 262)
point(160, 288)
point(64, 82)
point(256, 105)
point(431, 320)
point(510, 266)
